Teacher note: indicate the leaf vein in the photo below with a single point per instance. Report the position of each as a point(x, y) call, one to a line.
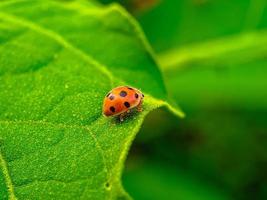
point(101, 151)
point(58, 38)
point(52, 180)
point(3, 165)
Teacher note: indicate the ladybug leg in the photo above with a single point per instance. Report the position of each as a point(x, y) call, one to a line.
point(122, 115)
point(139, 107)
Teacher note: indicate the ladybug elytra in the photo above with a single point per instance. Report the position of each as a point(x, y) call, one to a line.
point(121, 100)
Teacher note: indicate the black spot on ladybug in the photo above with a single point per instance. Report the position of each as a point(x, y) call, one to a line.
point(108, 94)
point(127, 104)
point(130, 88)
point(112, 109)
point(136, 95)
point(111, 97)
point(123, 93)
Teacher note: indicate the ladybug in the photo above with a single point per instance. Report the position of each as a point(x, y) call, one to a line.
point(120, 100)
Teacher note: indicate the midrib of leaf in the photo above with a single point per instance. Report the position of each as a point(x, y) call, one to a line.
point(7, 177)
point(215, 49)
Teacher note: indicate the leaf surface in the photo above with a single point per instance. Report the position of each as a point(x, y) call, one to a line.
point(58, 60)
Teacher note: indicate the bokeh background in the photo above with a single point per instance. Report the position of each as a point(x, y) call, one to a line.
point(213, 54)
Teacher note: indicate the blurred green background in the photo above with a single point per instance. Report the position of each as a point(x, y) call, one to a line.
point(213, 54)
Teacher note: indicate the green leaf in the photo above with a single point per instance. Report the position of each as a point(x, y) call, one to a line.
point(227, 72)
point(185, 22)
point(57, 62)
point(241, 48)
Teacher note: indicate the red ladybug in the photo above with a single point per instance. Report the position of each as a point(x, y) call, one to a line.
point(121, 100)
